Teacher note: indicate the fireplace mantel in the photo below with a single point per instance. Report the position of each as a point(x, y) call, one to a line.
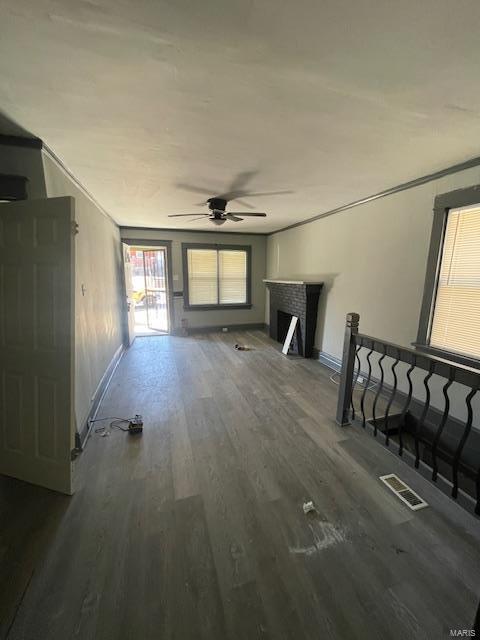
point(287, 281)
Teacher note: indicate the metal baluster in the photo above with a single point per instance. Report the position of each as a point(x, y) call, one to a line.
point(367, 384)
point(390, 401)
point(477, 506)
point(476, 622)
point(355, 376)
point(426, 406)
point(463, 440)
point(407, 404)
point(379, 391)
point(441, 426)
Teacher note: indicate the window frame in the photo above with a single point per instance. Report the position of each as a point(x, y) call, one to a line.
point(442, 205)
point(218, 247)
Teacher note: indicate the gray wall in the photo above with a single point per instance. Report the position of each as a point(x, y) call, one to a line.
point(213, 318)
point(372, 258)
point(99, 320)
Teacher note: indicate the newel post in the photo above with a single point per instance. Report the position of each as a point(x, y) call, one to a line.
point(348, 366)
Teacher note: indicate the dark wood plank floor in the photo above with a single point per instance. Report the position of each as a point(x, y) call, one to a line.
point(196, 528)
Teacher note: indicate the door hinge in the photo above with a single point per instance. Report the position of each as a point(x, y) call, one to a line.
point(74, 227)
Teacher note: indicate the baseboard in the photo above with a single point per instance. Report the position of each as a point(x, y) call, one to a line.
point(328, 360)
point(255, 326)
point(81, 436)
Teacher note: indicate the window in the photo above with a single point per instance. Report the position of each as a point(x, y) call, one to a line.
point(450, 320)
point(216, 276)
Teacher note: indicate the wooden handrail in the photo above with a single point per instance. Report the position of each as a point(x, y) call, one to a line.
point(464, 374)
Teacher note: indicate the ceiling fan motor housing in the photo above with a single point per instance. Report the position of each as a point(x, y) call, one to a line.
point(218, 204)
point(218, 215)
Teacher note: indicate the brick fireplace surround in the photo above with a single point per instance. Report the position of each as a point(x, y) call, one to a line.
point(294, 298)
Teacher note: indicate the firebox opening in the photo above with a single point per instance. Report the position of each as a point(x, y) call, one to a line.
point(283, 323)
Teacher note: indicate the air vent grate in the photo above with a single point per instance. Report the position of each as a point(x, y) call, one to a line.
point(406, 495)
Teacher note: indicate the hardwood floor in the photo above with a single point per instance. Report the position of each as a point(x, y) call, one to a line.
point(196, 530)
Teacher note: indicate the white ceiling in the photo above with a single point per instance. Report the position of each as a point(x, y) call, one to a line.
point(331, 100)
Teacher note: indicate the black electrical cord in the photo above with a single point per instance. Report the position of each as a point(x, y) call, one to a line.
point(114, 424)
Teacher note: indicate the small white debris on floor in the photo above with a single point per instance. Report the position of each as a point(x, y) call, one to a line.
point(308, 507)
point(325, 535)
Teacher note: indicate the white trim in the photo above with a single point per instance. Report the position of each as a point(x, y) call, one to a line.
point(330, 361)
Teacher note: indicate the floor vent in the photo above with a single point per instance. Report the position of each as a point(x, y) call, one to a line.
point(406, 495)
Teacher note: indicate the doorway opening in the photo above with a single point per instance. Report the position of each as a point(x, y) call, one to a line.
point(149, 280)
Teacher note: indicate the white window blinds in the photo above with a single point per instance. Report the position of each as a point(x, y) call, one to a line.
point(456, 316)
point(202, 276)
point(217, 276)
point(232, 277)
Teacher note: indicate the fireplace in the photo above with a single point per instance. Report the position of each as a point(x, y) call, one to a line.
point(294, 298)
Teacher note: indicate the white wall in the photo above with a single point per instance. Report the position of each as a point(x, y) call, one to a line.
point(99, 319)
point(372, 259)
point(221, 317)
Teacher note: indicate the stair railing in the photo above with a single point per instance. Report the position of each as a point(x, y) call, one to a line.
point(390, 427)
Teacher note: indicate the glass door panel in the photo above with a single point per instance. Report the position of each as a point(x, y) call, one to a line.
point(156, 299)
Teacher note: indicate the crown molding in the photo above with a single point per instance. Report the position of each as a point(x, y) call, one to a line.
point(411, 184)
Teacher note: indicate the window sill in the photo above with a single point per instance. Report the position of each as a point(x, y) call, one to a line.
point(215, 307)
point(458, 358)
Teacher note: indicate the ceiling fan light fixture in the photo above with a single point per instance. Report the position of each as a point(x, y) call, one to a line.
point(218, 214)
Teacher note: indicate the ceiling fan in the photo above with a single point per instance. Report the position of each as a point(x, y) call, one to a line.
point(217, 214)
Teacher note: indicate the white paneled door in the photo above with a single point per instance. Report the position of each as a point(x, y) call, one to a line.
point(36, 341)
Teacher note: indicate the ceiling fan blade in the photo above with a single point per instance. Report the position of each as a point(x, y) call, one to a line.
point(194, 189)
point(244, 203)
point(181, 215)
point(235, 191)
point(238, 195)
point(243, 213)
point(268, 193)
point(202, 217)
point(233, 217)
point(237, 186)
